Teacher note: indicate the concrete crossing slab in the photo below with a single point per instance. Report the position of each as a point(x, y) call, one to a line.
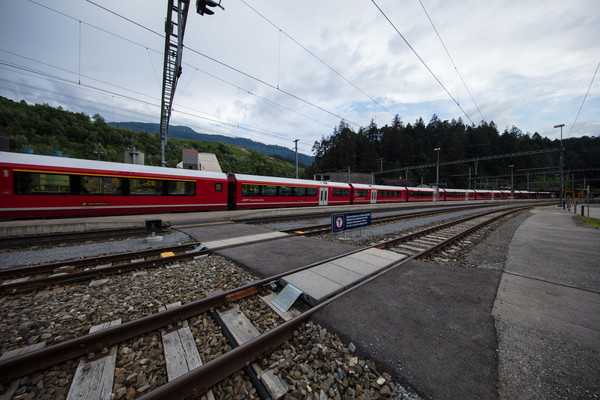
point(337, 273)
point(325, 280)
point(243, 239)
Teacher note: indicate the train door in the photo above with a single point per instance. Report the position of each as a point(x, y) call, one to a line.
point(323, 196)
point(373, 196)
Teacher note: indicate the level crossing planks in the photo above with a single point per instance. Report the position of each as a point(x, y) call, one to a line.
point(14, 385)
point(94, 378)
point(181, 353)
point(243, 331)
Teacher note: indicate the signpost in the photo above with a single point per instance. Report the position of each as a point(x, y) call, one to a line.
point(353, 220)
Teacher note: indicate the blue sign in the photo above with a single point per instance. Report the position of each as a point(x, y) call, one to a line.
point(353, 220)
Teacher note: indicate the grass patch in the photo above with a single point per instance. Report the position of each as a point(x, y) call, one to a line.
point(591, 221)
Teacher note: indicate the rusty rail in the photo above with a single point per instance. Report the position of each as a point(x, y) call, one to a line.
point(197, 382)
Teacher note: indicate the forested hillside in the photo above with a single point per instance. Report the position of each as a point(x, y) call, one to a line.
point(46, 130)
point(402, 145)
point(184, 132)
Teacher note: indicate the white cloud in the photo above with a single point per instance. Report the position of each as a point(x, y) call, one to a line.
point(526, 63)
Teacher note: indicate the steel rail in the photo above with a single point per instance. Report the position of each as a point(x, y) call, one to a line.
point(197, 381)
point(77, 276)
point(45, 239)
point(313, 230)
point(18, 272)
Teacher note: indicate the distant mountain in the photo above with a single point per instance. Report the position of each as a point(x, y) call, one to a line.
point(184, 132)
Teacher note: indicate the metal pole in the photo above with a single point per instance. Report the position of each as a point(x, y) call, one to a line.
point(561, 164)
point(588, 200)
point(437, 175)
point(296, 143)
point(512, 186)
point(469, 178)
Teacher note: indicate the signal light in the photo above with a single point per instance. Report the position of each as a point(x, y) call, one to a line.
point(202, 6)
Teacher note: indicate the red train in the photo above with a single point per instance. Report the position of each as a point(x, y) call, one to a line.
point(33, 186)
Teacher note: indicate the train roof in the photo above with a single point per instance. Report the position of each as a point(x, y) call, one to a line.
point(459, 190)
point(287, 181)
point(81, 164)
point(421, 189)
point(377, 187)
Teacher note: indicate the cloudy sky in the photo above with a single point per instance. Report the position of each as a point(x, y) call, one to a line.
point(275, 71)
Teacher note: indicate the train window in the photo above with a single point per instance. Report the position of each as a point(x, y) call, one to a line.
point(218, 187)
point(340, 192)
point(361, 193)
point(269, 191)
point(250, 190)
point(286, 191)
point(42, 183)
point(101, 185)
point(145, 187)
point(421, 194)
point(311, 192)
point(183, 188)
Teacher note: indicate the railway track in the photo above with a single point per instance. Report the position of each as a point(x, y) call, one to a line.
point(53, 239)
point(229, 358)
point(326, 228)
point(71, 271)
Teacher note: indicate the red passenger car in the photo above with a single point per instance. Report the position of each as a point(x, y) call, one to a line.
point(484, 194)
point(365, 194)
point(423, 194)
point(252, 191)
point(458, 194)
point(33, 186)
point(391, 194)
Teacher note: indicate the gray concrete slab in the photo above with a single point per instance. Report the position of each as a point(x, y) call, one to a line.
point(325, 280)
point(429, 325)
point(337, 273)
point(548, 309)
point(207, 233)
point(551, 246)
point(244, 239)
point(360, 266)
point(320, 287)
point(553, 309)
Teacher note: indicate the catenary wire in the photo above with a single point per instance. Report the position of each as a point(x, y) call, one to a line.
point(190, 49)
point(583, 101)
point(274, 87)
point(451, 59)
point(422, 61)
point(317, 57)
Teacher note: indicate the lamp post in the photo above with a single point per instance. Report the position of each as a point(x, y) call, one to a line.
point(512, 186)
point(561, 164)
point(437, 175)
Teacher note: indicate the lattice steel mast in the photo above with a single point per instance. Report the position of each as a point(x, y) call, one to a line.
point(177, 11)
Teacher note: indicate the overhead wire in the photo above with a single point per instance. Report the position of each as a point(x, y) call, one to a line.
point(451, 59)
point(422, 61)
point(32, 72)
point(232, 68)
point(156, 51)
point(584, 98)
point(317, 57)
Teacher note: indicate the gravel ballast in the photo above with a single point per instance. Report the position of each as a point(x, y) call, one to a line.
point(314, 363)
